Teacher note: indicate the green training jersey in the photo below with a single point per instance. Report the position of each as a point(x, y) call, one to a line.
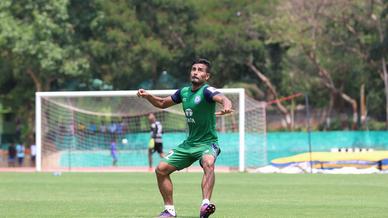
point(199, 109)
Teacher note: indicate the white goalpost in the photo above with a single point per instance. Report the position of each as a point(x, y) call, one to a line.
point(75, 130)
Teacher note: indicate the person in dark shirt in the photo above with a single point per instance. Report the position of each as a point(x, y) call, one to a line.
point(155, 144)
point(11, 155)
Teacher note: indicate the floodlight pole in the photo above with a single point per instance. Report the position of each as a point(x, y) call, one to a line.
point(306, 98)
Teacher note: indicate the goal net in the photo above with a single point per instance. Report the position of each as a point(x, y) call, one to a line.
point(77, 131)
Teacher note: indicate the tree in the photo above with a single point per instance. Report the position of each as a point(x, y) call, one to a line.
point(234, 35)
point(36, 40)
point(134, 41)
point(324, 32)
point(379, 14)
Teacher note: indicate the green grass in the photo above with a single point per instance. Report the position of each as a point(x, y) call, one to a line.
point(235, 194)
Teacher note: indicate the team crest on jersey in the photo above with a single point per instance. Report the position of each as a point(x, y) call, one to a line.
point(197, 99)
point(189, 112)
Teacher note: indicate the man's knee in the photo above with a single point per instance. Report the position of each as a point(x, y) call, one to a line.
point(160, 172)
point(208, 164)
point(164, 169)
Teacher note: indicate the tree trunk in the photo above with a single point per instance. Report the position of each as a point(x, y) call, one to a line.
point(273, 91)
point(384, 68)
point(37, 82)
point(154, 67)
point(31, 113)
point(386, 91)
point(363, 109)
point(328, 82)
point(326, 115)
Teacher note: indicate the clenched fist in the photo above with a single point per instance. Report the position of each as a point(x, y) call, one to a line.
point(142, 93)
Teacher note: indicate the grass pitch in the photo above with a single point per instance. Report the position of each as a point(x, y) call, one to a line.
point(235, 194)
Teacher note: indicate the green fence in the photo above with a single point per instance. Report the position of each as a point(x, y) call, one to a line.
point(279, 144)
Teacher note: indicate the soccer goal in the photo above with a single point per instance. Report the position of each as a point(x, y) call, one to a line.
point(75, 131)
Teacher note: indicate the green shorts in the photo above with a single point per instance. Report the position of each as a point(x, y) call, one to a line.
point(186, 154)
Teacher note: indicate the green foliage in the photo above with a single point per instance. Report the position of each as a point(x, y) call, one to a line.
point(39, 38)
point(376, 125)
point(250, 89)
point(37, 46)
point(347, 45)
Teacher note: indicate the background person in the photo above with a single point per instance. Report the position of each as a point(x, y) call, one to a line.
point(20, 154)
point(156, 143)
point(113, 151)
point(11, 155)
point(33, 154)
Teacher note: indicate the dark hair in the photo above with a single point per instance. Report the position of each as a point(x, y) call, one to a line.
point(203, 61)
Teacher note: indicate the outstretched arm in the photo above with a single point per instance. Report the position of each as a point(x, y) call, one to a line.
point(155, 100)
point(225, 102)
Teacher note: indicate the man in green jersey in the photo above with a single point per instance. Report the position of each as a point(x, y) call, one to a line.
point(199, 103)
